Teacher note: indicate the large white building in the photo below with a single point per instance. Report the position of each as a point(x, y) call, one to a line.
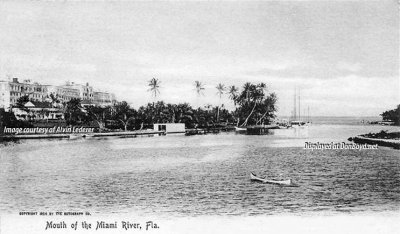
point(11, 91)
point(103, 98)
point(5, 101)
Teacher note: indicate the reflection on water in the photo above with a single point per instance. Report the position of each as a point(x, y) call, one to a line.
point(200, 175)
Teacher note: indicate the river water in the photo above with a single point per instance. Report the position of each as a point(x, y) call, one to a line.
point(200, 175)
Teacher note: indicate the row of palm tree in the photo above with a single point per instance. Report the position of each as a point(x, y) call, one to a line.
point(253, 100)
point(154, 85)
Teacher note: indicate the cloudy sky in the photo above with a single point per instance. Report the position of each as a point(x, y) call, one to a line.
point(343, 56)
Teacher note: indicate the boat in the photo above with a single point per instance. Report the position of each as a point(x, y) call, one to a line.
point(297, 123)
point(296, 119)
point(238, 129)
point(74, 136)
point(280, 182)
point(87, 135)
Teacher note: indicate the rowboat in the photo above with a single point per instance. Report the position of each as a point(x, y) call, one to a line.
point(237, 129)
point(281, 182)
point(74, 136)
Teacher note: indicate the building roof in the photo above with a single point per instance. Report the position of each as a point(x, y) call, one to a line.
point(29, 104)
point(34, 104)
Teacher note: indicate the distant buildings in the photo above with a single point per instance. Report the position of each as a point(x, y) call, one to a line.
point(103, 98)
point(38, 111)
point(11, 91)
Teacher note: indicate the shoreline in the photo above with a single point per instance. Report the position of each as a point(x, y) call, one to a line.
point(80, 135)
point(381, 139)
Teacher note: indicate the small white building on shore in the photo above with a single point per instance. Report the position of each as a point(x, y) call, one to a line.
point(170, 127)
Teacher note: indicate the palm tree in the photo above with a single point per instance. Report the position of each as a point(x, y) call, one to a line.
point(199, 87)
point(233, 92)
point(256, 94)
point(154, 87)
point(221, 89)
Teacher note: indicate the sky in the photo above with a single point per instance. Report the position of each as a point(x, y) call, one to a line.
point(342, 56)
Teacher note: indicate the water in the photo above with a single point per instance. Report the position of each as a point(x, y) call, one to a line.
point(201, 175)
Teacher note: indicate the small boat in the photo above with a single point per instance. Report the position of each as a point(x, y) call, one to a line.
point(280, 182)
point(297, 123)
point(74, 136)
point(87, 135)
point(237, 129)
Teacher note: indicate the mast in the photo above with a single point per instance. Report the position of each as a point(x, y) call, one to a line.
point(294, 106)
point(299, 107)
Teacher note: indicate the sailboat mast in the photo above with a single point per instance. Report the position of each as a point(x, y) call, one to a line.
point(295, 104)
point(299, 107)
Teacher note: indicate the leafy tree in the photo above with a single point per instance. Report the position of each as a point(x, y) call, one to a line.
point(74, 112)
point(99, 115)
point(124, 114)
point(254, 106)
point(392, 115)
point(22, 101)
point(54, 99)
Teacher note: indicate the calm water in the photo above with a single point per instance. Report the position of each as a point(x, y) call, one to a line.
point(200, 175)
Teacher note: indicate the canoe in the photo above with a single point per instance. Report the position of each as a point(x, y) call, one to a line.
point(281, 182)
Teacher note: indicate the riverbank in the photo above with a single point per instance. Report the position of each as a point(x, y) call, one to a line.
point(383, 138)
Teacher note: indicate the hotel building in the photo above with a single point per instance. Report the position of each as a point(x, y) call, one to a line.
point(11, 91)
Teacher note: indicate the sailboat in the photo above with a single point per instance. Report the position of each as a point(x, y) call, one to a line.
point(296, 119)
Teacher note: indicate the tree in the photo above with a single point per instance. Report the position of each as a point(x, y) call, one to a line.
point(124, 114)
point(74, 111)
point(154, 85)
point(54, 99)
point(254, 106)
point(221, 89)
point(392, 115)
point(199, 88)
point(268, 109)
point(233, 95)
point(99, 115)
point(22, 101)
point(233, 92)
